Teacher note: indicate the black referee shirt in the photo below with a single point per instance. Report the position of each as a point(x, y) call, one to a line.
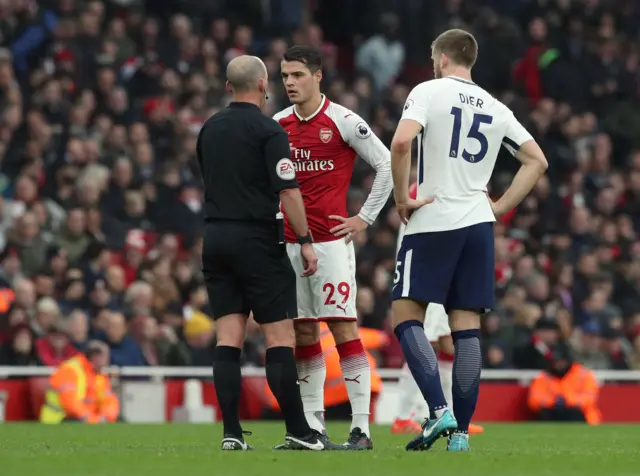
point(244, 158)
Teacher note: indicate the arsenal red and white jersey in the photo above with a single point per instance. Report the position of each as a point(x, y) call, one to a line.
point(324, 147)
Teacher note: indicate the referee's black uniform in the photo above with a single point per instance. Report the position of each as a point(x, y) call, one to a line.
point(244, 159)
point(245, 164)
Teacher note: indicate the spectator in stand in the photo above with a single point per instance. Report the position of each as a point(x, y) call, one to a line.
point(124, 350)
point(78, 329)
point(159, 344)
point(19, 349)
point(589, 350)
point(54, 348)
point(382, 56)
point(543, 334)
point(72, 237)
point(47, 317)
point(199, 334)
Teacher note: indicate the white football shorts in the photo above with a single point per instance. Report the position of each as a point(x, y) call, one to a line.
point(330, 293)
point(436, 322)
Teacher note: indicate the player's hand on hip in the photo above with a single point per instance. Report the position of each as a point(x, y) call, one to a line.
point(496, 209)
point(309, 260)
point(348, 226)
point(405, 209)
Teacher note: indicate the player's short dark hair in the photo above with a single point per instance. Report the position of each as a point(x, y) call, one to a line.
point(306, 55)
point(458, 45)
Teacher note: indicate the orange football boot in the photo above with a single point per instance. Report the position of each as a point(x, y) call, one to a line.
point(475, 429)
point(405, 427)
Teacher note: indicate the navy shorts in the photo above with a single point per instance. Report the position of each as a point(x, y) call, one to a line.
point(245, 269)
point(455, 268)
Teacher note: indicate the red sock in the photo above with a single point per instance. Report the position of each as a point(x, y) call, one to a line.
point(445, 356)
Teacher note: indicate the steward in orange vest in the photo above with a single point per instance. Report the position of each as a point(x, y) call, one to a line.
point(566, 391)
point(79, 392)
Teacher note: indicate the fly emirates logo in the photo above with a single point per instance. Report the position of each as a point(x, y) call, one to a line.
point(303, 162)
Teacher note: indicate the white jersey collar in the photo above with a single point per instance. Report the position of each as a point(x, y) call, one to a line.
point(295, 110)
point(462, 80)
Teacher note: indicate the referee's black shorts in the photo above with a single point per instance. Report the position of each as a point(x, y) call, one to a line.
point(245, 269)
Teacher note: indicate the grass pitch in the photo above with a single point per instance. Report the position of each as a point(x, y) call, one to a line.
point(194, 450)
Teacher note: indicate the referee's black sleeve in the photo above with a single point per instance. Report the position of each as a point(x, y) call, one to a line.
point(277, 153)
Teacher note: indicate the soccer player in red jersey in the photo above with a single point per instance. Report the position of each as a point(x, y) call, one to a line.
point(325, 139)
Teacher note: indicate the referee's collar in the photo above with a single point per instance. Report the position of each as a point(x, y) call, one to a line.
point(243, 105)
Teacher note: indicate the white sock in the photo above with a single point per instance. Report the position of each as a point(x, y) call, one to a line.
point(420, 409)
point(407, 398)
point(357, 378)
point(312, 374)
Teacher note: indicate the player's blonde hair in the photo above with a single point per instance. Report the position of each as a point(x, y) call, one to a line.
point(458, 45)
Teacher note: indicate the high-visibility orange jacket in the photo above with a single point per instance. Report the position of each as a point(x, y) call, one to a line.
point(335, 391)
point(7, 296)
point(579, 388)
point(77, 392)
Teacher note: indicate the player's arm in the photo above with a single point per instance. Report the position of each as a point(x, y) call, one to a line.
point(406, 132)
point(284, 182)
point(520, 143)
point(413, 121)
point(357, 133)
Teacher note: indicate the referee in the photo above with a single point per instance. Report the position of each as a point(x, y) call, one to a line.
point(244, 158)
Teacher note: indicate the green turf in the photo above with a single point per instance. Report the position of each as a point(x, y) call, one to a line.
point(193, 450)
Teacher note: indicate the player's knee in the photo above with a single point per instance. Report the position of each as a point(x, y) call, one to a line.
point(407, 310)
point(306, 333)
point(230, 330)
point(343, 331)
point(279, 334)
point(464, 319)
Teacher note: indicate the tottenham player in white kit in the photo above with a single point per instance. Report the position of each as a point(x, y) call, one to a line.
point(436, 327)
point(447, 253)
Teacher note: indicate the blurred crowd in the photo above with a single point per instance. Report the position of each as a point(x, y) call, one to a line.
point(101, 102)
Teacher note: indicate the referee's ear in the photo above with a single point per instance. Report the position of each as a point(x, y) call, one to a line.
point(229, 89)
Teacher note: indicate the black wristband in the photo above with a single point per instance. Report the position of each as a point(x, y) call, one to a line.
point(303, 240)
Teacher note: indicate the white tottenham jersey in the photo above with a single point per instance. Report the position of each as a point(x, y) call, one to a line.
point(463, 129)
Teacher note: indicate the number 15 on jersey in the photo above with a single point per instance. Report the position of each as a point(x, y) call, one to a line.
point(474, 133)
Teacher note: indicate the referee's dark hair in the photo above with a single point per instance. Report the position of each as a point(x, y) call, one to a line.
point(306, 55)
